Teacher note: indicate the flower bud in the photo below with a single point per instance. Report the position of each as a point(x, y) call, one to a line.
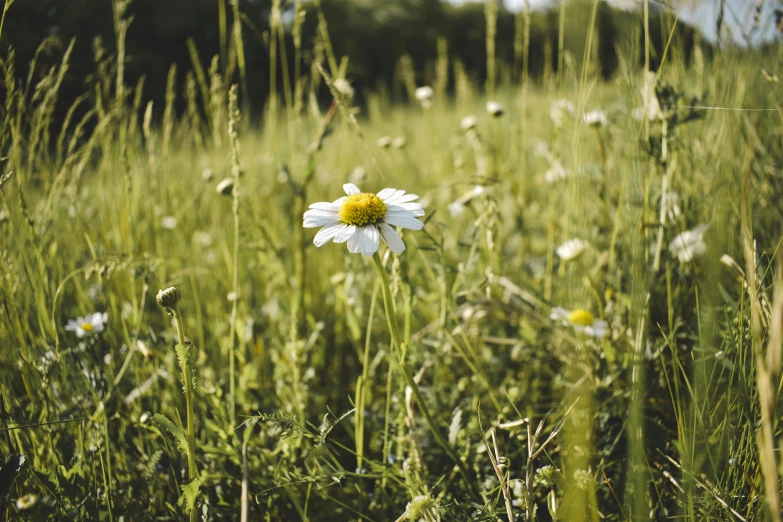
point(169, 297)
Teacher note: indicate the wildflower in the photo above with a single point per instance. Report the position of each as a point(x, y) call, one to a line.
point(559, 110)
point(384, 142)
point(88, 325)
point(541, 150)
point(343, 88)
point(571, 249)
point(555, 173)
point(457, 207)
point(26, 502)
point(580, 320)
point(495, 109)
point(399, 142)
point(363, 219)
point(596, 118)
point(225, 187)
point(168, 222)
point(202, 238)
point(169, 297)
point(424, 95)
point(468, 122)
point(207, 174)
point(689, 245)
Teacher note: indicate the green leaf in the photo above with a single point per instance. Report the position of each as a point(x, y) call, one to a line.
point(187, 501)
point(183, 357)
point(179, 436)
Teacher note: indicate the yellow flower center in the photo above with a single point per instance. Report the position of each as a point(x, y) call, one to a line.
point(87, 327)
point(581, 317)
point(362, 209)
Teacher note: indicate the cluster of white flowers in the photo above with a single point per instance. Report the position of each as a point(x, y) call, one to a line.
point(689, 245)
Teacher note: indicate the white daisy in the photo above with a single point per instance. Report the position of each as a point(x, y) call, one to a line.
point(596, 118)
point(89, 325)
point(362, 219)
point(424, 95)
point(468, 122)
point(571, 249)
point(689, 245)
point(495, 109)
point(580, 320)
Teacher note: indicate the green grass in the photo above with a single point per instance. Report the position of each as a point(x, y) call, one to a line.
point(663, 418)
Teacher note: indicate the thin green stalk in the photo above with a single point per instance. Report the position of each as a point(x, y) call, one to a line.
point(188, 385)
point(400, 349)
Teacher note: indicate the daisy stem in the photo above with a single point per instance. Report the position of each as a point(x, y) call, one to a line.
point(187, 372)
point(400, 349)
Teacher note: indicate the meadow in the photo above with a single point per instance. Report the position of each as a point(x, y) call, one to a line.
point(589, 325)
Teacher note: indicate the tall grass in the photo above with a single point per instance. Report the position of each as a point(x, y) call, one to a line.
point(479, 406)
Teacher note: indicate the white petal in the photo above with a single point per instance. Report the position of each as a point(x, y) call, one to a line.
point(325, 205)
point(392, 239)
point(385, 193)
point(406, 198)
point(350, 189)
point(345, 234)
point(559, 314)
point(403, 219)
point(354, 243)
point(390, 197)
point(327, 233)
point(319, 218)
point(370, 240)
point(414, 208)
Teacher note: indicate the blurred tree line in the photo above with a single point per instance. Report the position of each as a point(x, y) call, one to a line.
point(374, 34)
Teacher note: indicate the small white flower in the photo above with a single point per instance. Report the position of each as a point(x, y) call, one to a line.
point(399, 142)
point(89, 325)
point(202, 238)
point(26, 502)
point(555, 173)
point(689, 245)
point(596, 118)
point(457, 207)
point(581, 321)
point(168, 222)
point(541, 150)
point(225, 187)
point(424, 95)
point(384, 142)
point(571, 249)
point(343, 87)
point(559, 110)
point(207, 174)
point(468, 122)
point(363, 219)
point(495, 109)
